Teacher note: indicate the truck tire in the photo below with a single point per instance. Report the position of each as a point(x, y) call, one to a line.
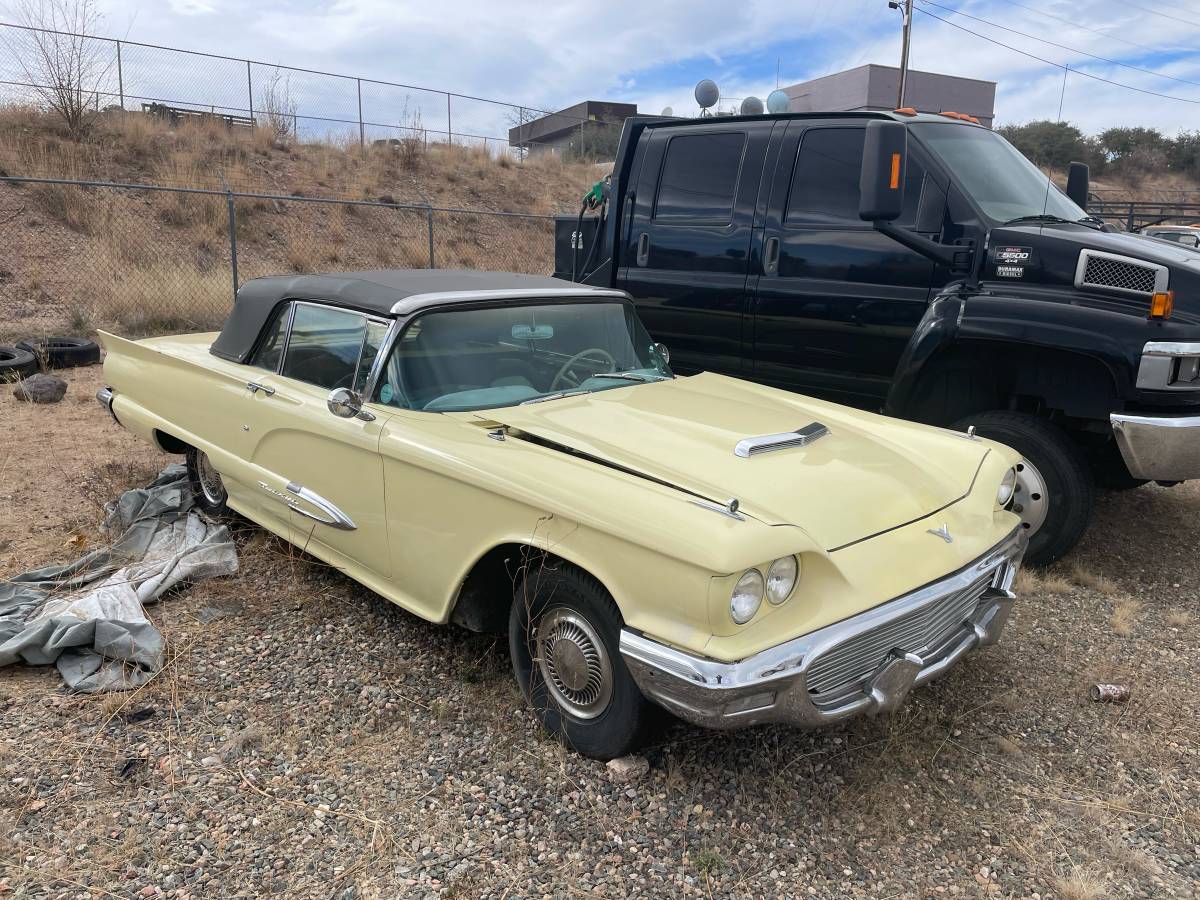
point(16, 363)
point(208, 490)
point(1055, 491)
point(63, 352)
point(564, 633)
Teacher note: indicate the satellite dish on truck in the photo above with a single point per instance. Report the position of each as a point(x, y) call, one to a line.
point(777, 101)
point(707, 94)
point(752, 106)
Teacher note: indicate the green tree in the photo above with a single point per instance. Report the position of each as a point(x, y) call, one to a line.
point(1051, 144)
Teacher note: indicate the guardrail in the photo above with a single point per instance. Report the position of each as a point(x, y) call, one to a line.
point(1137, 214)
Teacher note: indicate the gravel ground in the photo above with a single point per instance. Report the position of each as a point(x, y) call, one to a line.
point(309, 738)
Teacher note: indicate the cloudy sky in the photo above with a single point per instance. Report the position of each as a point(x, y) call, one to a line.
point(551, 54)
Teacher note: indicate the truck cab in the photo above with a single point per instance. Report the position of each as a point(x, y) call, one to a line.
point(918, 265)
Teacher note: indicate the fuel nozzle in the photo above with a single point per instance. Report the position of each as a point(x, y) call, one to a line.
point(594, 198)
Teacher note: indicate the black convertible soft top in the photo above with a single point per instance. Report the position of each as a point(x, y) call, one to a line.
point(383, 292)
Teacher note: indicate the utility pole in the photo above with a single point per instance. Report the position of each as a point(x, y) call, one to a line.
point(906, 10)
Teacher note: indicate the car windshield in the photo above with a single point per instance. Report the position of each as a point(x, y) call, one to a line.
point(503, 355)
point(1002, 181)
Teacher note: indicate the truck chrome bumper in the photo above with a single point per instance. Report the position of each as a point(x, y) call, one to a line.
point(864, 664)
point(1159, 448)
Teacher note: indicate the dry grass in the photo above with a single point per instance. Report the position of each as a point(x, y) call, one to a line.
point(1178, 618)
point(1048, 581)
point(162, 298)
point(1081, 886)
point(1085, 578)
point(1125, 617)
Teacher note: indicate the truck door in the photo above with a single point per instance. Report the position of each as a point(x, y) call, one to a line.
point(835, 301)
point(687, 239)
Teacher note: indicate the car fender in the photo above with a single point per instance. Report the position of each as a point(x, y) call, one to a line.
point(1023, 322)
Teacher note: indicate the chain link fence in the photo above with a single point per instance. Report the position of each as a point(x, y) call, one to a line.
point(142, 259)
point(50, 68)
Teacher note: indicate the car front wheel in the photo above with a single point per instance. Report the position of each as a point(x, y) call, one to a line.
point(564, 633)
point(1055, 490)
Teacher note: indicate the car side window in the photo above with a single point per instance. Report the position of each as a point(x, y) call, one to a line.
point(270, 348)
point(699, 178)
point(324, 346)
point(825, 179)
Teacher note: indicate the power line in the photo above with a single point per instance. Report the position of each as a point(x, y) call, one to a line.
point(1097, 31)
point(1034, 37)
point(1155, 12)
point(1057, 65)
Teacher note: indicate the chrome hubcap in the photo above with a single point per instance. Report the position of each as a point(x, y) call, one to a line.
point(573, 662)
point(1030, 501)
point(211, 485)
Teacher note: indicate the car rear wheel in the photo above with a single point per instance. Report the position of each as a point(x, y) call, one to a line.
point(564, 634)
point(207, 487)
point(1055, 491)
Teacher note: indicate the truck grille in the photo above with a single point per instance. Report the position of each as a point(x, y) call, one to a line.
point(1119, 273)
point(842, 671)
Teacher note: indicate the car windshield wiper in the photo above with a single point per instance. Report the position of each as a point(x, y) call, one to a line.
point(1040, 217)
point(629, 376)
point(557, 395)
point(1091, 220)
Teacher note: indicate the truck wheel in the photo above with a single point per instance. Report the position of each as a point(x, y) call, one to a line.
point(564, 632)
point(1054, 492)
point(208, 489)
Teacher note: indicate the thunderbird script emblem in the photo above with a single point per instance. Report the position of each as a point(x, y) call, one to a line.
point(943, 533)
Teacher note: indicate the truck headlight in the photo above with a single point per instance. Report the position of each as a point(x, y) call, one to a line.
point(747, 596)
point(1008, 484)
point(781, 579)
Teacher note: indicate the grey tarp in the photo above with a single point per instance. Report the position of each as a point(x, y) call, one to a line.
point(87, 617)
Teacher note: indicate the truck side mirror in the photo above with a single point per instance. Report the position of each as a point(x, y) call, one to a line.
point(1077, 184)
point(881, 181)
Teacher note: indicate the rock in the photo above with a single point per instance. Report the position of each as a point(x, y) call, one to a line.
point(41, 388)
point(628, 768)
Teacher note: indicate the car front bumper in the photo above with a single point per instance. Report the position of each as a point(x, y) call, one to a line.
point(1159, 448)
point(864, 664)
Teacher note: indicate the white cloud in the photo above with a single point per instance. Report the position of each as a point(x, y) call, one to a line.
point(549, 55)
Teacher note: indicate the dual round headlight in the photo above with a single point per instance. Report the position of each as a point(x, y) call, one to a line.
point(1008, 486)
point(750, 589)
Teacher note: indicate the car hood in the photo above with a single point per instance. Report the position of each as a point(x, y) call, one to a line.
point(868, 475)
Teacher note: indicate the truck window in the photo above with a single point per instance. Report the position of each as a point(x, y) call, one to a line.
point(699, 178)
point(825, 179)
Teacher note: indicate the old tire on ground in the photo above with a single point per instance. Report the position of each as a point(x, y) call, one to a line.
point(207, 487)
point(564, 632)
point(16, 363)
point(63, 352)
point(1055, 491)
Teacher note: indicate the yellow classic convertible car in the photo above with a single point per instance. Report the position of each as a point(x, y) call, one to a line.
point(514, 453)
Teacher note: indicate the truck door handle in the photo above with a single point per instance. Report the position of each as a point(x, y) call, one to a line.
point(771, 255)
point(643, 250)
point(254, 387)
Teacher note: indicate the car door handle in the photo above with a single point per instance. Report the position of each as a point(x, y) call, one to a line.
point(254, 387)
point(771, 255)
point(643, 248)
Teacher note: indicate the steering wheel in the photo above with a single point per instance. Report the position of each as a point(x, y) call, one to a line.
point(566, 372)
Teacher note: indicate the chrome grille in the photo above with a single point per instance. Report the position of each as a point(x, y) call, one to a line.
point(843, 670)
point(1119, 273)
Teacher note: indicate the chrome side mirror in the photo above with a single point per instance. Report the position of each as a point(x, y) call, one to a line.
point(663, 352)
point(344, 403)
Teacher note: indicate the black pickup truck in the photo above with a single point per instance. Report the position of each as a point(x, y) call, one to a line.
point(915, 264)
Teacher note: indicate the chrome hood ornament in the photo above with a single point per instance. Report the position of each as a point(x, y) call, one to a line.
point(943, 533)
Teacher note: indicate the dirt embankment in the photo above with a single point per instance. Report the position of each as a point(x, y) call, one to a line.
point(76, 258)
